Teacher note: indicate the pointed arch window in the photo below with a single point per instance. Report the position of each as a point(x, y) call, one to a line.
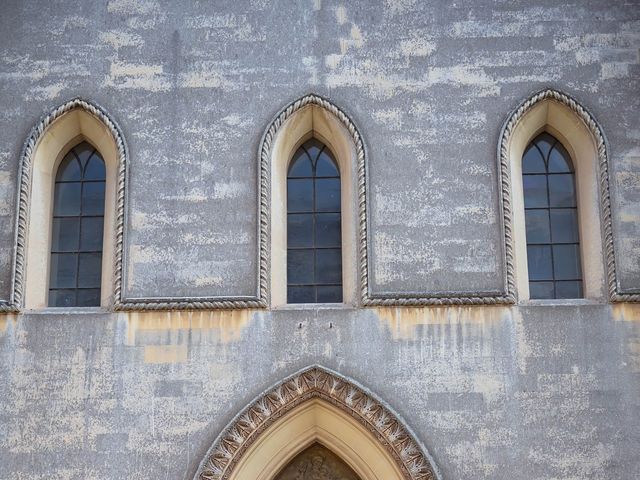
point(551, 218)
point(75, 273)
point(314, 237)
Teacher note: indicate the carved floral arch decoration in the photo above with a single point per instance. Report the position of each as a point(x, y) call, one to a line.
point(317, 383)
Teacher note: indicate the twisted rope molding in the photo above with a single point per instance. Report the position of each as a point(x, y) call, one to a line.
point(605, 201)
point(24, 193)
point(316, 383)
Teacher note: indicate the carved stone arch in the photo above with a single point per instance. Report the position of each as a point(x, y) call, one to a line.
point(287, 131)
point(90, 121)
point(578, 130)
point(315, 386)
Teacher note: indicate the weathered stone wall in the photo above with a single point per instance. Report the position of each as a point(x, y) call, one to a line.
point(522, 392)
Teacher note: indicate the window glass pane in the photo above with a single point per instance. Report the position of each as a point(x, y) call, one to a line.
point(65, 234)
point(532, 161)
point(535, 191)
point(544, 142)
point(94, 170)
point(328, 230)
point(328, 195)
point(329, 266)
point(93, 198)
point(66, 199)
point(91, 233)
point(63, 270)
point(559, 160)
point(569, 289)
point(329, 293)
point(313, 148)
point(537, 223)
point(89, 297)
point(539, 261)
point(301, 294)
point(300, 230)
point(89, 269)
point(564, 225)
point(300, 165)
point(299, 195)
point(566, 262)
point(539, 290)
point(83, 151)
point(62, 298)
point(300, 266)
point(69, 169)
point(561, 190)
point(325, 166)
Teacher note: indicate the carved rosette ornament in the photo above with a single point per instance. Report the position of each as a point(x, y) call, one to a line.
point(312, 383)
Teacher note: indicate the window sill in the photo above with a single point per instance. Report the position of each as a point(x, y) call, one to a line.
point(66, 310)
point(562, 302)
point(314, 306)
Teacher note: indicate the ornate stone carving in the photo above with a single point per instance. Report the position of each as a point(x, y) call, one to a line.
point(317, 463)
point(605, 203)
point(316, 382)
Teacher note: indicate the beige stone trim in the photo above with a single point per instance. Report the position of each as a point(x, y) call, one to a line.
point(45, 147)
point(316, 405)
point(568, 121)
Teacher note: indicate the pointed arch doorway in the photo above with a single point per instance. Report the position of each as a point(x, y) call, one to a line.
point(316, 421)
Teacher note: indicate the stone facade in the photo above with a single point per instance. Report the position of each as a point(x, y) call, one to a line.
point(546, 390)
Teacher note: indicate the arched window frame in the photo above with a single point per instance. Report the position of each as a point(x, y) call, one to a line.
point(562, 117)
point(313, 116)
point(49, 141)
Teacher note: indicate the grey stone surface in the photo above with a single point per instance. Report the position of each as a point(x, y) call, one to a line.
point(493, 392)
point(545, 391)
point(429, 85)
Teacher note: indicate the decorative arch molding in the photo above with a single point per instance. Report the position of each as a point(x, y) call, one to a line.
point(317, 384)
point(27, 159)
point(581, 117)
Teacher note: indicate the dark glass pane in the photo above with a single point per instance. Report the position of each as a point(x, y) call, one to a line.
point(89, 270)
point(69, 169)
point(62, 298)
point(89, 298)
point(561, 190)
point(95, 168)
point(559, 160)
point(299, 195)
point(329, 294)
point(65, 234)
point(564, 225)
point(569, 289)
point(532, 161)
point(541, 290)
point(329, 266)
point(301, 294)
point(83, 151)
point(313, 148)
point(535, 191)
point(566, 262)
point(544, 142)
point(63, 270)
point(93, 198)
point(300, 165)
point(300, 230)
point(328, 230)
point(539, 261)
point(325, 167)
point(537, 223)
point(67, 199)
point(300, 266)
point(328, 195)
point(91, 233)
